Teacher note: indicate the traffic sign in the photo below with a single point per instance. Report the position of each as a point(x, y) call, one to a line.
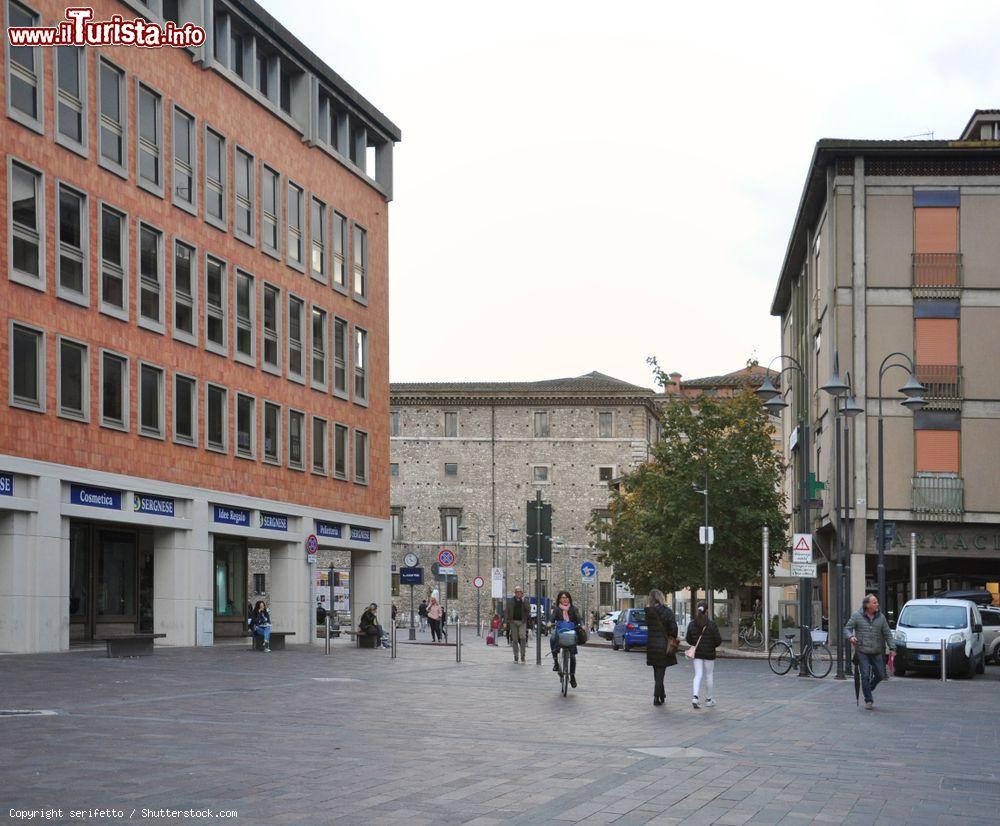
point(312, 543)
point(802, 550)
point(706, 535)
point(803, 569)
point(496, 583)
point(446, 558)
point(446, 570)
point(588, 572)
point(478, 582)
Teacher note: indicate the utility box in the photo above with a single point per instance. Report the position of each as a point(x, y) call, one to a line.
point(204, 626)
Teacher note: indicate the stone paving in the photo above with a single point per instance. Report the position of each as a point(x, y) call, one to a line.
point(356, 737)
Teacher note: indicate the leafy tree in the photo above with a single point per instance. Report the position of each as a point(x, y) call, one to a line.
point(652, 537)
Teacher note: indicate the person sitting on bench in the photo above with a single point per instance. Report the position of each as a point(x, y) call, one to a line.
point(369, 626)
point(260, 624)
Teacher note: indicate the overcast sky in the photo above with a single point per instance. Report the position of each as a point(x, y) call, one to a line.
point(582, 185)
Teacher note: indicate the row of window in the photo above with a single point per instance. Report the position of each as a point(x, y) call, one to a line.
point(541, 424)
point(284, 430)
point(303, 217)
point(540, 474)
point(452, 517)
point(286, 324)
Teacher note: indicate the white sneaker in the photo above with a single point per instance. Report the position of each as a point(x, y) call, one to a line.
point(694, 702)
point(709, 703)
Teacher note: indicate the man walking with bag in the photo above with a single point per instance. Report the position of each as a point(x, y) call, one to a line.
point(518, 612)
point(870, 634)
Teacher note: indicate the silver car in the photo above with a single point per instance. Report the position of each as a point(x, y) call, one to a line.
point(991, 632)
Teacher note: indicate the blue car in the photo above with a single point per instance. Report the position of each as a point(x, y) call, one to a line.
point(630, 630)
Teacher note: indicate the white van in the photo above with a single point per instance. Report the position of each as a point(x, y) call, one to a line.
point(924, 623)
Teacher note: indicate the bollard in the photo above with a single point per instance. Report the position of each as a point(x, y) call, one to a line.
point(944, 661)
point(327, 633)
point(458, 641)
point(392, 639)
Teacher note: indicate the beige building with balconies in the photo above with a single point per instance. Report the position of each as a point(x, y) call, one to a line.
point(895, 248)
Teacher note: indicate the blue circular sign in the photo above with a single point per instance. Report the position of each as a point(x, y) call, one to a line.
point(588, 569)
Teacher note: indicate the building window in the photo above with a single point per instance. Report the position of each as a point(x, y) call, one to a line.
point(150, 277)
point(296, 422)
point(339, 252)
point(317, 235)
point(340, 357)
point(452, 588)
point(360, 365)
point(74, 380)
point(394, 469)
point(605, 474)
point(396, 520)
point(271, 200)
point(394, 423)
point(215, 305)
point(113, 123)
point(541, 425)
point(246, 314)
point(272, 332)
point(340, 451)
point(27, 368)
point(295, 310)
point(605, 428)
point(246, 441)
point(319, 348)
point(150, 401)
point(360, 262)
point(319, 445)
point(540, 474)
point(27, 215)
point(293, 222)
point(74, 280)
point(185, 161)
point(451, 425)
point(607, 596)
point(259, 584)
point(24, 81)
point(245, 197)
point(450, 469)
point(215, 178)
point(449, 524)
point(361, 457)
point(114, 391)
point(185, 290)
point(216, 425)
point(114, 285)
point(272, 433)
point(71, 97)
point(185, 409)
point(149, 147)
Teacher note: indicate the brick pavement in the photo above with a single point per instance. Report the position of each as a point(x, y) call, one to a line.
point(298, 737)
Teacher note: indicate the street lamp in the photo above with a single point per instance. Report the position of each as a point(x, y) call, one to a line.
point(771, 397)
point(913, 391)
point(479, 525)
point(708, 593)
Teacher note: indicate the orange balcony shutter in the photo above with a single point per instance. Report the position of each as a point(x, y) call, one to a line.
point(935, 229)
point(936, 341)
point(937, 451)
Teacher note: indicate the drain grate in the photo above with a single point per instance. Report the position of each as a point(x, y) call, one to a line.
point(26, 712)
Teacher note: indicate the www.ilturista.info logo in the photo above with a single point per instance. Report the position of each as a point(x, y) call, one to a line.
point(80, 29)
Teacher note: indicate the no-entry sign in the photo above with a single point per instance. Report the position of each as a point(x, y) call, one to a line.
point(478, 582)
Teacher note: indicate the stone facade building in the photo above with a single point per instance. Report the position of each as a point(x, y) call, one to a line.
point(467, 457)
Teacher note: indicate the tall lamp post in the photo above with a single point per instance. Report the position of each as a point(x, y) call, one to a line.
point(771, 397)
point(707, 544)
point(479, 591)
point(913, 391)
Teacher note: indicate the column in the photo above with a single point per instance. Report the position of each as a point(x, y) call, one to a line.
point(291, 606)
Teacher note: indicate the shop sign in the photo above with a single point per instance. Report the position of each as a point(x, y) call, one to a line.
point(328, 530)
point(273, 521)
point(6, 484)
point(153, 505)
point(361, 534)
point(240, 517)
point(95, 497)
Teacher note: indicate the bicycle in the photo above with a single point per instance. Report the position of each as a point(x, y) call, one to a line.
point(817, 657)
point(567, 639)
point(751, 635)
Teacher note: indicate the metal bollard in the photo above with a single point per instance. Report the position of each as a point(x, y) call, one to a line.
point(944, 661)
point(458, 641)
point(392, 640)
point(327, 633)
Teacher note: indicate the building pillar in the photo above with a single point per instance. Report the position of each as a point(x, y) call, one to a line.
point(182, 578)
point(370, 583)
point(291, 607)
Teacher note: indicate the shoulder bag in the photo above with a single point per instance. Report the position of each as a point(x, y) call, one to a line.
point(694, 648)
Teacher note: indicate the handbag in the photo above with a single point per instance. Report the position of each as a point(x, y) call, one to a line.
point(673, 644)
point(691, 651)
point(581, 635)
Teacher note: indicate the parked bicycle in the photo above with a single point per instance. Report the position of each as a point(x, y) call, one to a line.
point(751, 635)
point(817, 657)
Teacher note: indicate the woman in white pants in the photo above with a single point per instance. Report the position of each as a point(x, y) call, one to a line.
point(704, 637)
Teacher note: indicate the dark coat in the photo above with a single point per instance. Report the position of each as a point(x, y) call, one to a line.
point(556, 615)
point(661, 623)
point(710, 639)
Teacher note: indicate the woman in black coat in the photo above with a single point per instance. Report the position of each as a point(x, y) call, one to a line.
point(660, 654)
point(703, 633)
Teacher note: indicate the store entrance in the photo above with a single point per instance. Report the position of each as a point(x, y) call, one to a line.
point(229, 586)
point(110, 581)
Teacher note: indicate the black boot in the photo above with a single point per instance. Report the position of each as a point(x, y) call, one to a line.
point(555, 664)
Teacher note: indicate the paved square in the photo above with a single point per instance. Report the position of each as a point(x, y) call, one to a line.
point(356, 737)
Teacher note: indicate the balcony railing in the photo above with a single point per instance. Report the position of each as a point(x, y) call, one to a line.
point(937, 274)
point(938, 498)
point(943, 383)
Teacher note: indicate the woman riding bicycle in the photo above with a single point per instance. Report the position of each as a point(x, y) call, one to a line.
point(564, 617)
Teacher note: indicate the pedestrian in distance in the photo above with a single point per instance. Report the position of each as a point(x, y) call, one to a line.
point(260, 624)
point(518, 613)
point(703, 636)
point(434, 614)
point(422, 613)
point(370, 627)
point(564, 617)
point(870, 635)
point(661, 647)
point(492, 639)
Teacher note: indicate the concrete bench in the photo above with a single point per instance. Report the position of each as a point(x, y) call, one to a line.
point(131, 645)
point(277, 640)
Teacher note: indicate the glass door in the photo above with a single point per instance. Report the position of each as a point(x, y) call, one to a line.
point(81, 583)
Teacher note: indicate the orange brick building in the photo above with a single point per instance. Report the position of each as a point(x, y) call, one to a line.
point(195, 328)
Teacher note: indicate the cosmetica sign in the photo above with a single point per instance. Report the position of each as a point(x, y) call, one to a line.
point(95, 497)
point(155, 505)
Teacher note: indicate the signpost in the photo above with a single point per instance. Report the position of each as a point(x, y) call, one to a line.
point(588, 576)
point(446, 568)
point(411, 576)
point(312, 545)
point(496, 583)
point(538, 536)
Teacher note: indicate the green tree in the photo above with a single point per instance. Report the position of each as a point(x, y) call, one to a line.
point(652, 536)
